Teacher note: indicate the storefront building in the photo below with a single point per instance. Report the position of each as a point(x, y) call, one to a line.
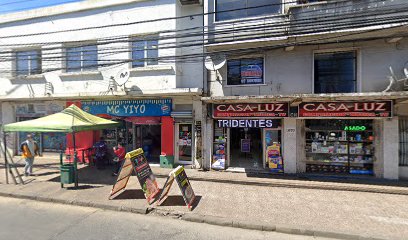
point(341, 137)
point(150, 124)
point(344, 136)
point(248, 136)
point(48, 142)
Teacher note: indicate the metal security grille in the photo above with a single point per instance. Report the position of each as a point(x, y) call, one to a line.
point(403, 139)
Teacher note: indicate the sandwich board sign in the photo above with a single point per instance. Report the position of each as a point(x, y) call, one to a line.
point(179, 175)
point(136, 162)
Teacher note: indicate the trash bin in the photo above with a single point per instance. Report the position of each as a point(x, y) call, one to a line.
point(67, 174)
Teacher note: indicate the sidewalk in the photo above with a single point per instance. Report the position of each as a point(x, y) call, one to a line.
point(317, 206)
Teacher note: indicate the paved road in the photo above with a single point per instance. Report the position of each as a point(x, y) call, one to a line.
point(25, 219)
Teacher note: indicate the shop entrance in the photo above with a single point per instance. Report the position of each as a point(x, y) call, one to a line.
point(148, 137)
point(246, 148)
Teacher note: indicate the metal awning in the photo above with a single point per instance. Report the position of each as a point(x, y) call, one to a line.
point(182, 114)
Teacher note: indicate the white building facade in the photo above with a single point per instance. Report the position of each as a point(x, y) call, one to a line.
point(305, 87)
point(75, 53)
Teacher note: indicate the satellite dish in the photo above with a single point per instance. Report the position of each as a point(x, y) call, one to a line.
point(122, 76)
point(215, 62)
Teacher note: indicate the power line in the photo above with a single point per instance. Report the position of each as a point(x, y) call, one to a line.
point(198, 42)
point(250, 50)
point(160, 19)
point(251, 30)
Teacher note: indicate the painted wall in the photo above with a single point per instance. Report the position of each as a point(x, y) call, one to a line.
point(167, 75)
point(292, 72)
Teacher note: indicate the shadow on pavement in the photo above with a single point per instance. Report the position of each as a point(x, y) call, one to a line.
point(130, 194)
point(91, 175)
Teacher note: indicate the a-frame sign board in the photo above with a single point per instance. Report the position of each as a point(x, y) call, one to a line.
point(179, 175)
point(136, 161)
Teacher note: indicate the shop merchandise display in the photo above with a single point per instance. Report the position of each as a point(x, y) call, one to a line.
point(220, 148)
point(338, 151)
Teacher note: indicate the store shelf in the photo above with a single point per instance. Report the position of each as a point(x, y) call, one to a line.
point(361, 163)
point(327, 153)
point(345, 141)
point(327, 163)
point(320, 130)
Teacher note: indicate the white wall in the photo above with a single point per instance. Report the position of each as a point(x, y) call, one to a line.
point(292, 72)
point(164, 76)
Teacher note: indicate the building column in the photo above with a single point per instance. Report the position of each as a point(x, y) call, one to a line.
point(198, 122)
point(390, 143)
point(289, 144)
point(207, 135)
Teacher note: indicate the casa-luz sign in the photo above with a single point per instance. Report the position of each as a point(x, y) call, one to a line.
point(382, 109)
point(251, 110)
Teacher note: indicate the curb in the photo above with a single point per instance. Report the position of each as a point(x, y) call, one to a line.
point(197, 218)
point(349, 188)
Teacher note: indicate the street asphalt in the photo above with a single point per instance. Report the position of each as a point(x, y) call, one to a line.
point(32, 220)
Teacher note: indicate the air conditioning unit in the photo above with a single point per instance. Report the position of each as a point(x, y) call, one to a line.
point(190, 2)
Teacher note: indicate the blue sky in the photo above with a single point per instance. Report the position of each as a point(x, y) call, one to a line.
point(7, 6)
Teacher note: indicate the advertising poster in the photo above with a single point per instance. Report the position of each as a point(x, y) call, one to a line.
point(186, 190)
point(245, 145)
point(274, 158)
point(144, 174)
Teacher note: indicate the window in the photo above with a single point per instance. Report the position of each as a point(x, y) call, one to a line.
point(83, 58)
point(249, 8)
point(145, 52)
point(28, 62)
point(245, 71)
point(335, 72)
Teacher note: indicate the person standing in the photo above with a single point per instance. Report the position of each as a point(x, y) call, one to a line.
point(120, 153)
point(29, 149)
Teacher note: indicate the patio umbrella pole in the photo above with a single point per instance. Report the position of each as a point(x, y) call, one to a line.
point(5, 157)
point(75, 160)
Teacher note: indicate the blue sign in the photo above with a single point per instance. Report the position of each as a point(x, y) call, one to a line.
point(130, 108)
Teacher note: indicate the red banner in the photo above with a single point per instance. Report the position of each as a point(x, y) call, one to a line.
point(346, 109)
point(251, 110)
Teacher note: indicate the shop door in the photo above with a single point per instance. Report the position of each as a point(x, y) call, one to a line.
point(148, 137)
point(246, 148)
point(184, 143)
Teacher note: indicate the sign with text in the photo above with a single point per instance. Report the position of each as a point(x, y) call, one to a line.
point(186, 190)
point(245, 145)
point(251, 110)
point(382, 109)
point(129, 108)
point(179, 175)
point(144, 174)
point(136, 161)
point(248, 123)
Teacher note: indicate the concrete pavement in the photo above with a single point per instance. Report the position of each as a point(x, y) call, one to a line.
point(32, 220)
point(305, 210)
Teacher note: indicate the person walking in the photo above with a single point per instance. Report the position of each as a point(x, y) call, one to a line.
point(120, 153)
point(29, 149)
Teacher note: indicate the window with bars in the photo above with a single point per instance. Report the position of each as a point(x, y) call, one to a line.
point(335, 72)
point(28, 62)
point(227, 9)
point(145, 51)
point(403, 141)
point(82, 58)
